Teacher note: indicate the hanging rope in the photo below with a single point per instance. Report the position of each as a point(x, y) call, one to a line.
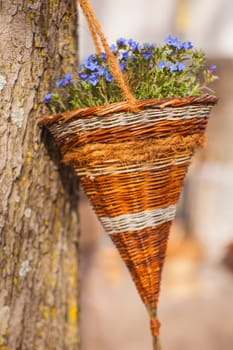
point(97, 34)
point(92, 29)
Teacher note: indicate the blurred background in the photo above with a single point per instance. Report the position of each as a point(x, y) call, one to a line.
point(196, 304)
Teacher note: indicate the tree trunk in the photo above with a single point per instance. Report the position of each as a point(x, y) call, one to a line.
point(38, 197)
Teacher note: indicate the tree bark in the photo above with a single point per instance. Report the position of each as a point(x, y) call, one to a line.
point(38, 197)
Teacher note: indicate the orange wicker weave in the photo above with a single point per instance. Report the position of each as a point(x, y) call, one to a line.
point(132, 167)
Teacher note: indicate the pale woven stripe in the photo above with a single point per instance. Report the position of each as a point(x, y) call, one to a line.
point(124, 119)
point(108, 169)
point(138, 221)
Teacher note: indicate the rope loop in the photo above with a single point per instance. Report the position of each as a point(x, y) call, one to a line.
point(99, 39)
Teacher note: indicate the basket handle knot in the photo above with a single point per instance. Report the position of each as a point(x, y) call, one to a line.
point(155, 326)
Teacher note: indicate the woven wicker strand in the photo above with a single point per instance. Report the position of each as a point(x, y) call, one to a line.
point(122, 106)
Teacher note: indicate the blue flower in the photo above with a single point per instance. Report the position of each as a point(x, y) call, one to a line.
point(113, 48)
point(172, 41)
point(60, 83)
point(101, 71)
point(121, 41)
point(47, 98)
point(122, 66)
point(108, 77)
point(103, 56)
point(162, 64)
point(93, 79)
point(147, 54)
point(180, 66)
point(133, 44)
point(90, 64)
point(68, 76)
point(91, 58)
point(186, 45)
point(83, 75)
point(125, 55)
point(67, 79)
point(213, 68)
point(172, 67)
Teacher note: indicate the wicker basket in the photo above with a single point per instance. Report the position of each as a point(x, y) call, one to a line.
point(132, 168)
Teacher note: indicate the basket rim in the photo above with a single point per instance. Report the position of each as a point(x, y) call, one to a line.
point(122, 106)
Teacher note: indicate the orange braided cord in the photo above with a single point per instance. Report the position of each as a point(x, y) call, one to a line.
point(91, 27)
point(95, 30)
point(155, 326)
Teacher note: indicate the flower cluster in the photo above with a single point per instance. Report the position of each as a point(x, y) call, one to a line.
point(92, 70)
point(174, 69)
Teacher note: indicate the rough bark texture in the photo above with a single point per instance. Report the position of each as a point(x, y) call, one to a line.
point(38, 197)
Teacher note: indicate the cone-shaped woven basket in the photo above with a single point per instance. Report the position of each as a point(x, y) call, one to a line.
point(132, 167)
